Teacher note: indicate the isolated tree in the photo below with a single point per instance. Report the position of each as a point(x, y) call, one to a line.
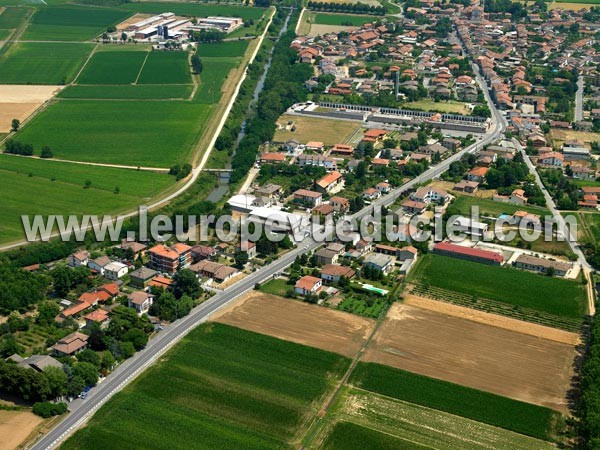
point(88, 184)
point(123, 36)
point(46, 152)
point(16, 123)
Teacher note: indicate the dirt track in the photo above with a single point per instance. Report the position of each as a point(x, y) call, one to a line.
point(298, 322)
point(475, 354)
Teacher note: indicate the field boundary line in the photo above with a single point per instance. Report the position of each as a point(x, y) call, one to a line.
point(84, 65)
point(317, 425)
point(141, 68)
point(86, 163)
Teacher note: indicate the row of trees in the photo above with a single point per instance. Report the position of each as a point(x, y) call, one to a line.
point(589, 405)
point(356, 8)
point(18, 148)
point(283, 87)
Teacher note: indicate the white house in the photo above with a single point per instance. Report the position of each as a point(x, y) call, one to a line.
point(470, 226)
point(99, 264)
point(115, 270)
point(308, 285)
point(78, 259)
point(141, 301)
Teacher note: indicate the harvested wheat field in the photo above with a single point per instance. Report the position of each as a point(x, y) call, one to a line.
point(311, 325)
point(19, 102)
point(328, 131)
point(16, 427)
point(475, 354)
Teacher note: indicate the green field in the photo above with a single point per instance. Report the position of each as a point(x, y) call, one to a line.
point(4, 34)
point(71, 23)
point(227, 389)
point(376, 421)
point(342, 19)
point(13, 17)
point(144, 133)
point(42, 63)
point(128, 92)
point(112, 68)
point(223, 49)
point(487, 207)
point(213, 76)
point(556, 296)
point(33, 186)
point(195, 9)
point(166, 68)
point(491, 409)
point(349, 436)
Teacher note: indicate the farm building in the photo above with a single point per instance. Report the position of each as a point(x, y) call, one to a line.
point(542, 265)
point(468, 253)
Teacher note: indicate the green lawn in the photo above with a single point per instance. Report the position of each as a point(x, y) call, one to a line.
point(195, 9)
point(349, 436)
point(278, 286)
point(144, 133)
point(556, 296)
point(166, 68)
point(213, 76)
point(221, 388)
point(488, 207)
point(342, 19)
point(222, 49)
point(33, 186)
point(71, 23)
point(13, 17)
point(113, 68)
point(520, 417)
point(42, 63)
point(128, 92)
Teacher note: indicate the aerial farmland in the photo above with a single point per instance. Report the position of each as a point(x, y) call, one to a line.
point(110, 101)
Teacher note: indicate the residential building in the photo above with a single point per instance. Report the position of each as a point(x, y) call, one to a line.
point(141, 301)
point(332, 273)
point(308, 198)
point(469, 187)
point(332, 182)
point(210, 269)
point(98, 264)
point(379, 261)
point(339, 204)
point(77, 259)
point(141, 277)
point(429, 194)
point(115, 270)
point(308, 285)
point(71, 344)
point(469, 226)
point(170, 259)
point(39, 363)
point(477, 173)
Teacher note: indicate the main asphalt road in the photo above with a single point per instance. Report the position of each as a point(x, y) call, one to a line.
point(82, 410)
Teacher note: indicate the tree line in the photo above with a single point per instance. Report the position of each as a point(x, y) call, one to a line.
point(19, 148)
point(283, 87)
point(353, 8)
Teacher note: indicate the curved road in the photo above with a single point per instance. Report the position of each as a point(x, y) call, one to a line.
point(82, 410)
